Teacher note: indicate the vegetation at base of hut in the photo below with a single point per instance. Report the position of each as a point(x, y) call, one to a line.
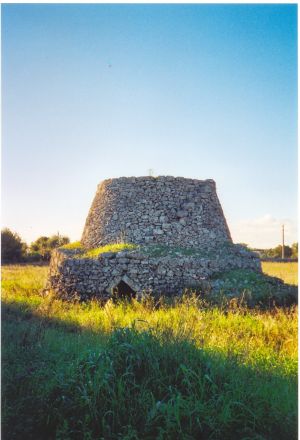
point(251, 288)
point(151, 250)
point(161, 250)
point(143, 369)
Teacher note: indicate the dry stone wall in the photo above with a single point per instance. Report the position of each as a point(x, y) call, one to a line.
point(70, 275)
point(181, 215)
point(168, 210)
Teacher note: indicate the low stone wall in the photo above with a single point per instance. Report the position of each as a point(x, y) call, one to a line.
point(89, 277)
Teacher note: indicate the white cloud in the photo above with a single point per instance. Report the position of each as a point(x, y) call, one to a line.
point(264, 232)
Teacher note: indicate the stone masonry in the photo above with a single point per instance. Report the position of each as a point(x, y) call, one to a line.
point(143, 274)
point(181, 217)
point(167, 210)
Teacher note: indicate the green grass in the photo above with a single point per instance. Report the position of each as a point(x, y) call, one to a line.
point(143, 370)
point(160, 250)
point(251, 288)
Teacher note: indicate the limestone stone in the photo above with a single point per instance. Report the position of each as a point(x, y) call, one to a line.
point(181, 214)
point(129, 207)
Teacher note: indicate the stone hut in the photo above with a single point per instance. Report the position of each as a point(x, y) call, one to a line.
point(166, 210)
point(177, 226)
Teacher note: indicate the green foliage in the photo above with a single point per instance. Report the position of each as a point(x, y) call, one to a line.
point(12, 247)
point(143, 370)
point(277, 251)
point(44, 245)
point(295, 250)
point(32, 257)
point(57, 240)
point(289, 252)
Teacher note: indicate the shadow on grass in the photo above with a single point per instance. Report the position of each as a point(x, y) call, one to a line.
point(250, 288)
point(62, 382)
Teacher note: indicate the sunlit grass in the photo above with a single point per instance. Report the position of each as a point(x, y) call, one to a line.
point(74, 245)
point(252, 335)
point(115, 247)
point(95, 252)
point(144, 369)
point(288, 272)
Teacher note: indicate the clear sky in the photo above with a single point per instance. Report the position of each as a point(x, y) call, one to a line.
point(97, 91)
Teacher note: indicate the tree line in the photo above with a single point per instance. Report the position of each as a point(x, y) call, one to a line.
point(15, 250)
point(289, 252)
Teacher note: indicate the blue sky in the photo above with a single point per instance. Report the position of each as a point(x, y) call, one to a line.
point(97, 91)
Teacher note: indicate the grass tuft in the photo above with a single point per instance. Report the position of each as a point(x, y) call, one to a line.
point(74, 245)
point(114, 247)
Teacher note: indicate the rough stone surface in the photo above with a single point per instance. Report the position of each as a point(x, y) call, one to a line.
point(183, 215)
point(143, 274)
point(166, 210)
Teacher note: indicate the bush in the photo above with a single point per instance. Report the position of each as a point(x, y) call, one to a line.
point(12, 247)
point(44, 245)
point(32, 257)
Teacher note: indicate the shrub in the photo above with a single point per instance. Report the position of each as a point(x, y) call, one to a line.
point(32, 257)
point(44, 245)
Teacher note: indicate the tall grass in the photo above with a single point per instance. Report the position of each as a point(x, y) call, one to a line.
point(143, 370)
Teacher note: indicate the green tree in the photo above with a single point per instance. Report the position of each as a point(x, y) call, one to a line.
point(12, 247)
point(41, 246)
point(44, 245)
point(277, 252)
point(58, 240)
point(295, 250)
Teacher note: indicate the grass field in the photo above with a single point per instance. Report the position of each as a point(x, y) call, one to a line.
point(140, 370)
point(288, 272)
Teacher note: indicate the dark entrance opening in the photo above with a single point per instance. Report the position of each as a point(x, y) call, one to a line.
point(122, 290)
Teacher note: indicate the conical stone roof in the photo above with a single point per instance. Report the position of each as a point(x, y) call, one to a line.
point(166, 210)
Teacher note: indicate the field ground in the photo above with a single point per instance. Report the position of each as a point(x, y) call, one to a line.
point(288, 272)
point(140, 370)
